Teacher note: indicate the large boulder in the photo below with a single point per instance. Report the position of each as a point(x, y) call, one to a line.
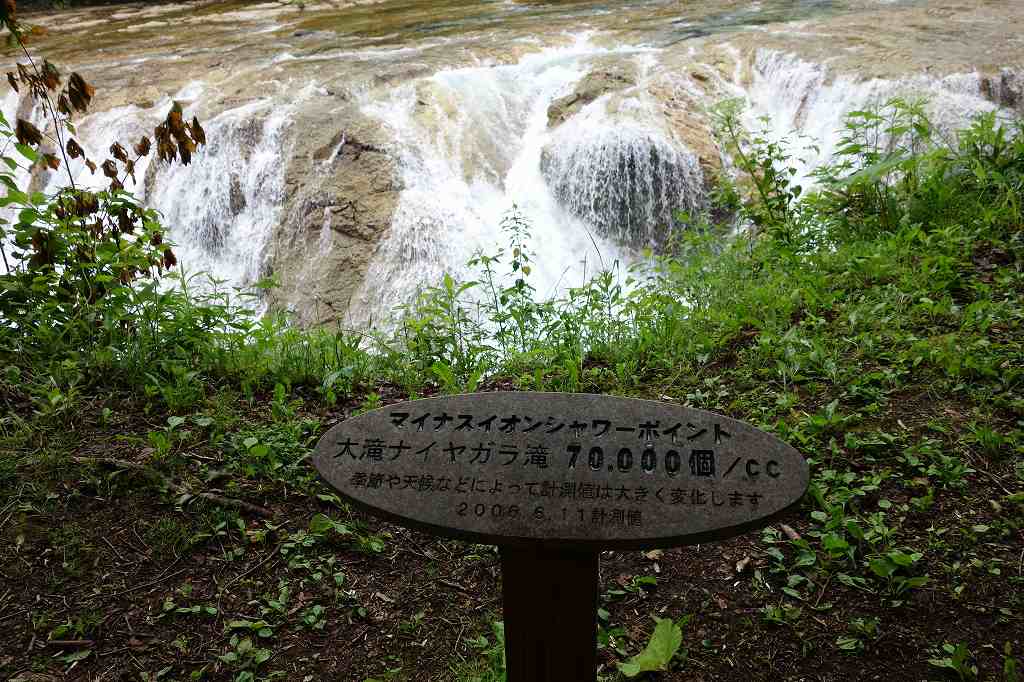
point(343, 188)
point(629, 158)
point(627, 180)
point(611, 78)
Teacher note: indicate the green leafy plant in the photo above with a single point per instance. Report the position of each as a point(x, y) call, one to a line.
point(494, 663)
point(957, 658)
point(860, 633)
point(244, 658)
point(315, 617)
point(661, 649)
point(895, 567)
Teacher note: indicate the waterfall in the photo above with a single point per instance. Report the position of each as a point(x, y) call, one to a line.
point(471, 143)
point(803, 102)
point(222, 208)
point(625, 178)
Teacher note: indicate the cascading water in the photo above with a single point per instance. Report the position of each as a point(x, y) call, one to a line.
point(471, 143)
point(800, 102)
point(625, 178)
point(223, 207)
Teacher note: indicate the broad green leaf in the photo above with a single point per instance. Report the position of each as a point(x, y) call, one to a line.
point(806, 558)
point(320, 524)
point(664, 644)
point(833, 543)
point(26, 151)
point(883, 568)
point(900, 558)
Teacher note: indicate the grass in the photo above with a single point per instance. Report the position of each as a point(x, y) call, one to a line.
point(874, 324)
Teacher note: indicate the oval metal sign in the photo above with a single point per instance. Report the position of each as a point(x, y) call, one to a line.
point(565, 469)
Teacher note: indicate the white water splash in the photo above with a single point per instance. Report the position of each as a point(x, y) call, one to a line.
point(471, 142)
point(802, 99)
point(222, 208)
point(624, 175)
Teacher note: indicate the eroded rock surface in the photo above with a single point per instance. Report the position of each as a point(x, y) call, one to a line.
point(343, 187)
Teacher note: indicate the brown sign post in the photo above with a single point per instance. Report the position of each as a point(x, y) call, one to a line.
point(553, 479)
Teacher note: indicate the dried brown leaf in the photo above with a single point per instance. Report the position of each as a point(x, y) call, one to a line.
point(64, 104)
point(185, 149)
point(119, 152)
point(125, 224)
point(51, 76)
point(174, 121)
point(27, 133)
point(51, 161)
point(198, 134)
point(12, 80)
point(86, 203)
point(142, 146)
point(80, 92)
point(91, 166)
point(109, 169)
point(168, 151)
point(74, 149)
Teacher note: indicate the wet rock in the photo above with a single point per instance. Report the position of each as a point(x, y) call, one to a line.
point(343, 189)
point(628, 182)
point(236, 195)
point(1005, 89)
point(633, 164)
point(594, 85)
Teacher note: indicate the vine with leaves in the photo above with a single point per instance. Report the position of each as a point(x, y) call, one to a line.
point(68, 252)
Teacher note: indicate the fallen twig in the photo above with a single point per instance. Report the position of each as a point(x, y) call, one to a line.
point(145, 585)
point(69, 642)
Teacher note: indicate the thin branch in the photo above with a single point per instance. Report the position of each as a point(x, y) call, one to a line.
point(52, 110)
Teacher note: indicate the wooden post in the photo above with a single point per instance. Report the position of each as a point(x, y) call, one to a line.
point(550, 610)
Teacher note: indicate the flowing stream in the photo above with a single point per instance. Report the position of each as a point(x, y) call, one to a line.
point(588, 119)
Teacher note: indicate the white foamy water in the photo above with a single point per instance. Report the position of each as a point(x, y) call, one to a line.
point(624, 177)
point(805, 105)
point(471, 143)
point(221, 209)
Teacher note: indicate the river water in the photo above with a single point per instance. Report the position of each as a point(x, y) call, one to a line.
point(359, 150)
